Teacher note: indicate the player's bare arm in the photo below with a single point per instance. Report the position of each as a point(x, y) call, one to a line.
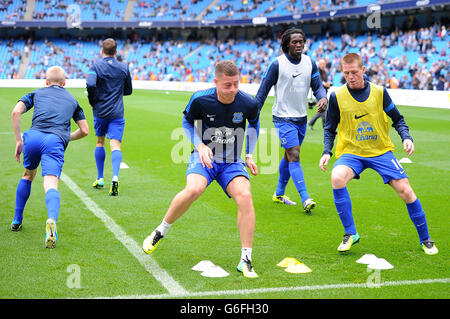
point(18, 110)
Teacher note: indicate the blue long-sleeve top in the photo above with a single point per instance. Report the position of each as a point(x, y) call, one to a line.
point(333, 116)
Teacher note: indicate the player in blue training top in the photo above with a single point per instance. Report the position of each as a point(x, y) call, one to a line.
point(292, 74)
point(359, 111)
point(107, 82)
point(45, 142)
point(218, 139)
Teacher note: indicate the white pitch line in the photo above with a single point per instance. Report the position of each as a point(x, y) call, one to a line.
point(172, 286)
point(284, 289)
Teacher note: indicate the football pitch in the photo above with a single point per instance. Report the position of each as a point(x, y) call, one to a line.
point(99, 255)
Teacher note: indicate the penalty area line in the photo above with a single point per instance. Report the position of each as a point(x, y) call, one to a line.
point(220, 293)
point(170, 284)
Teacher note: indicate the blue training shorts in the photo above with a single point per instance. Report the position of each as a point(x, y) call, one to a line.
point(223, 173)
point(386, 165)
point(45, 148)
point(290, 134)
point(112, 128)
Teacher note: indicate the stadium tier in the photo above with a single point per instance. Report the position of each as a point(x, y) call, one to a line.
point(10, 57)
point(412, 59)
point(407, 56)
point(238, 9)
point(88, 9)
point(169, 10)
point(176, 10)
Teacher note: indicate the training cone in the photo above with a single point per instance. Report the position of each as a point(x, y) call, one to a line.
point(294, 266)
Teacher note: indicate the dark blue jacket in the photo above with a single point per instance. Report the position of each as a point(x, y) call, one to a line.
point(108, 80)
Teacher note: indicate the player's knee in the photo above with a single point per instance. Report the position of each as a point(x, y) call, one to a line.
point(100, 141)
point(29, 175)
point(244, 196)
point(406, 192)
point(293, 155)
point(193, 192)
point(338, 179)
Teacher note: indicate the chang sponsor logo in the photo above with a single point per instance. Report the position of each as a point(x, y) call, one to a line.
point(365, 132)
point(223, 135)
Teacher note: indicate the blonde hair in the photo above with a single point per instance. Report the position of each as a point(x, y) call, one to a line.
point(55, 75)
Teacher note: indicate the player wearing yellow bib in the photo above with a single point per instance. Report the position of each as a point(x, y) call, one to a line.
point(359, 111)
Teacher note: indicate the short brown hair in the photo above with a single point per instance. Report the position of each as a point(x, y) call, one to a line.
point(225, 67)
point(109, 46)
point(350, 58)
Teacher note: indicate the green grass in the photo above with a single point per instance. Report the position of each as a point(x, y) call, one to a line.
point(208, 230)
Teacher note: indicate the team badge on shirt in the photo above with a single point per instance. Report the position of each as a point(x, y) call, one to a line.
point(238, 117)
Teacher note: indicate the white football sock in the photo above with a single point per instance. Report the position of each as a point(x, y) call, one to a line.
point(163, 228)
point(246, 253)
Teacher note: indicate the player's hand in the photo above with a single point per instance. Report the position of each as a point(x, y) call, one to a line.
point(251, 165)
point(408, 147)
point(18, 151)
point(324, 162)
point(322, 105)
point(205, 154)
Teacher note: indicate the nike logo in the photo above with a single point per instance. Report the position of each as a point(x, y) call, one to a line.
point(401, 172)
point(208, 115)
point(358, 117)
point(295, 75)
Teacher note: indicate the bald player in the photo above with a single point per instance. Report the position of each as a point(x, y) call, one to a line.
point(45, 143)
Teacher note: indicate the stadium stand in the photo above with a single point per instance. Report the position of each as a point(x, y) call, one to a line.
point(10, 56)
point(237, 9)
point(411, 59)
point(169, 9)
point(408, 57)
point(12, 9)
point(89, 10)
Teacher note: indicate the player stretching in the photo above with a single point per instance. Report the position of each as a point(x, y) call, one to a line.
point(358, 111)
point(45, 142)
point(223, 112)
point(107, 82)
point(292, 75)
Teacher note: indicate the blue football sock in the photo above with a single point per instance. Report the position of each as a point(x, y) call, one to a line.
point(22, 194)
point(100, 160)
point(344, 208)
point(417, 216)
point(116, 159)
point(284, 177)
point(297, 177)
point(53, 201)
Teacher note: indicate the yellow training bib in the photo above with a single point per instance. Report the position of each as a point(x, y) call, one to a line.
point(363, 129)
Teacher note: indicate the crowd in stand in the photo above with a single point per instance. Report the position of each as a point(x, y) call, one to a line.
point(153, 9)
point(9, 67)
point(55, 9)
point(17, 14)
point(428, 70)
